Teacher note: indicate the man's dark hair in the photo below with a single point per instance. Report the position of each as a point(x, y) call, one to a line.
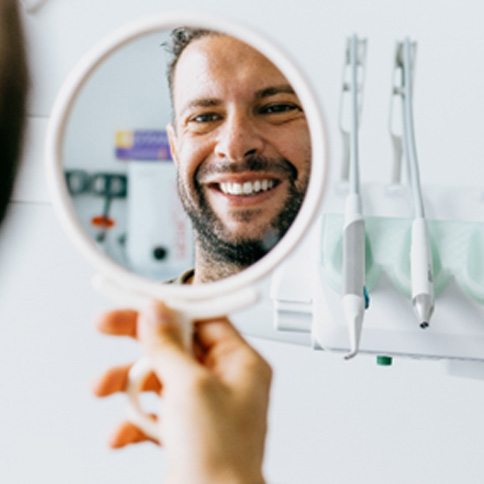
point(13, 92)
point(179, 39)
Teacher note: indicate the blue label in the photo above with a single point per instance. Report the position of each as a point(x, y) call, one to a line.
point(142, 145)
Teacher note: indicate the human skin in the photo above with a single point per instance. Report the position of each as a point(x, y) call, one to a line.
point(215, 404)
point(230, 103)
point(14, 84)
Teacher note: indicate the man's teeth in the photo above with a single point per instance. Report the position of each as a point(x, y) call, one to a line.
point(246, 188)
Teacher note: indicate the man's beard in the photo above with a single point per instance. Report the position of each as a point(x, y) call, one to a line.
point(215, 240)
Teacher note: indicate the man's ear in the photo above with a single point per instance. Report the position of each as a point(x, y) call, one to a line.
point(170, 130)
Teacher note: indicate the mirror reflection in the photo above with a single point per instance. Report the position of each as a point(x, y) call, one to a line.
point(187, 155)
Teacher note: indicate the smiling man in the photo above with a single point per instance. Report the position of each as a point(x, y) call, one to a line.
point(240, 140)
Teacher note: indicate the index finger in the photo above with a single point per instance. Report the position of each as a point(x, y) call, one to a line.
point(226, 352)
point(119, 322)
point(211, 331)
point(217, 332)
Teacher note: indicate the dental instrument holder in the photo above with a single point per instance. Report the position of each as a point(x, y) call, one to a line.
point(457, 241)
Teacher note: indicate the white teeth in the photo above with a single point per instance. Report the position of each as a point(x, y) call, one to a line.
point(246, 188)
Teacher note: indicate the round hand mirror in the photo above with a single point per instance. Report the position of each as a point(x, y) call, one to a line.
point(187, 158)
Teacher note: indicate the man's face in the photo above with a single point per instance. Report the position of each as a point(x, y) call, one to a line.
point(241, 143)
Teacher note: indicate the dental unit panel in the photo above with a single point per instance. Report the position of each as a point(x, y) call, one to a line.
point(413, 265)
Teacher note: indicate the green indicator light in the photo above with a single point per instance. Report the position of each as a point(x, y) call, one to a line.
point(384, 360)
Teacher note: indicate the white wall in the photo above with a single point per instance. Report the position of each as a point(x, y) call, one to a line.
point(331, 421)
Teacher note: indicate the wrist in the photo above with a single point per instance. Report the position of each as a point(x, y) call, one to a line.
point(230, 476)
point(223, 476)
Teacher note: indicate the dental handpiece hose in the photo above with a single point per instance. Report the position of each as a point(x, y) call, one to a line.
point(354, 228)
point(420, 253)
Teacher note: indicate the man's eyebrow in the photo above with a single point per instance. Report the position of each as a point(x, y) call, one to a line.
point(273, 90)
point(209, 102)
point(202, 102)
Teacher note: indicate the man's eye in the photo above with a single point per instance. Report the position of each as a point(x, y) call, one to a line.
point(278, 108)
point(205, 118)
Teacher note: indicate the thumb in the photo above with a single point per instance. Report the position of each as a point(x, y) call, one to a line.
point(161, 333)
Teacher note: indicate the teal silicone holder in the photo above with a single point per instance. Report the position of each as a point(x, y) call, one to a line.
point(457, 252)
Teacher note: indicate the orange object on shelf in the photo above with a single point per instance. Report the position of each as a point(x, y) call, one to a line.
point(102, 221)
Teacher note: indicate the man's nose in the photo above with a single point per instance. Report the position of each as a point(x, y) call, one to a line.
point(239, 138)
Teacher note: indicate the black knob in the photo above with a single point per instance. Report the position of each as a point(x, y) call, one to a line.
point(160, 253)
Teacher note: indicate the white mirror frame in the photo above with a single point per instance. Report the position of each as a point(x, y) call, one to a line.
point(62, 201)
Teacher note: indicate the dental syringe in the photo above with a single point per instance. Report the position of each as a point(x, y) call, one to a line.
point(420, 253)
point(355, 297)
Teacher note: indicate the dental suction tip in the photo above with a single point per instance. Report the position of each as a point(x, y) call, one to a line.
point(351, 355)
point(424, 325)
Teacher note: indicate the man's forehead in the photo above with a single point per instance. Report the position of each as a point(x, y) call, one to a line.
point(217, 50)
point(218, 65)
